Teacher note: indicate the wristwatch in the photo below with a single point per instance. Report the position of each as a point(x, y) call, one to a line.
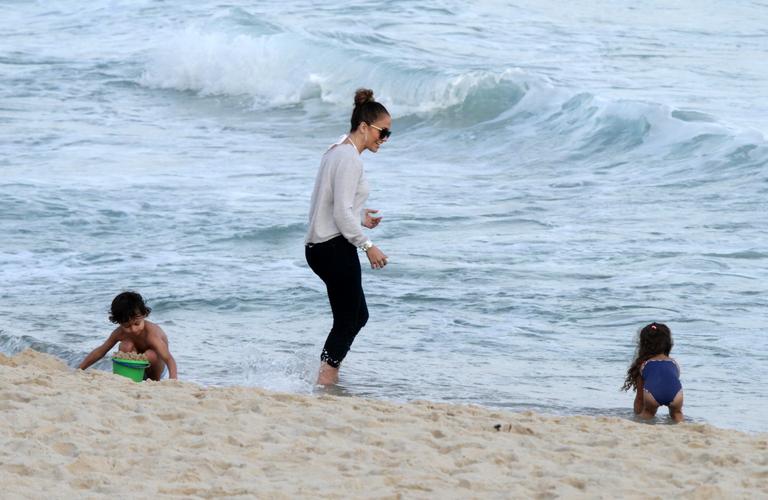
point(366, 246)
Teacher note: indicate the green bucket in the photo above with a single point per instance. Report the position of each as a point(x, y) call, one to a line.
point(131, 368)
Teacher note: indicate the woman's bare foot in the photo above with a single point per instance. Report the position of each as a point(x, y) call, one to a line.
point(328, 375)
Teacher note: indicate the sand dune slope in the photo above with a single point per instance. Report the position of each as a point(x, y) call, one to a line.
point(72, 434)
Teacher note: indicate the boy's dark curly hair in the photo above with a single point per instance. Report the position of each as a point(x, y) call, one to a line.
point(126, 306)
point(654, 339)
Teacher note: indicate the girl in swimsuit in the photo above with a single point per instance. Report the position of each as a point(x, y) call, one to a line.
point(654, 375)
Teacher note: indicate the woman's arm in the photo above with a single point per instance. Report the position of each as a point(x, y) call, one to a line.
point(344, 184)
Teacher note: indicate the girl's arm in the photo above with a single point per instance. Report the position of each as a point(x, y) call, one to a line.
point(639, 398)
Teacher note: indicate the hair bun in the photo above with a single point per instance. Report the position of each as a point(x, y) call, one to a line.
point(362, 96)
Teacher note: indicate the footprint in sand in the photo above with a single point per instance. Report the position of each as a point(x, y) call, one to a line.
point(16, 396)
point(66, 449)
point(171, 416)
point(19, 469)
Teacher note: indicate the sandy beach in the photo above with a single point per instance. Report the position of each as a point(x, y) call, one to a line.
point(72, 434)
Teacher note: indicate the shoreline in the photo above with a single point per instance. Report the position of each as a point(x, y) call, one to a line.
point(69, 433)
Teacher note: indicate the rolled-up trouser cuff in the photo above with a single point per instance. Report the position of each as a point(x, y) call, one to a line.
point(326, 358)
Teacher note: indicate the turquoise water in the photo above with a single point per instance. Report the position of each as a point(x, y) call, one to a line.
point(558, 177)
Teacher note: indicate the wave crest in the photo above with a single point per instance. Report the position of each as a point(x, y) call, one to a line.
point(276, 69)
point(279, 69)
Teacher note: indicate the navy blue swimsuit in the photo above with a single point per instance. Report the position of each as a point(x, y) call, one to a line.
point(661, 377)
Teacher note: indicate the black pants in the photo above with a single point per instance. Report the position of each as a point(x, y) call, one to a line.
point(337, 264)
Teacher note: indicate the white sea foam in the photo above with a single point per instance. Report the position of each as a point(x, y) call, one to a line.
point(268, 68)
point(280, 69)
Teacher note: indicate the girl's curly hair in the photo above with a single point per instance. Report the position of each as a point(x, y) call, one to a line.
point(654, 339)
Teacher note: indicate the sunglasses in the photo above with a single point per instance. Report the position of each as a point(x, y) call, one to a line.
point(384, 133)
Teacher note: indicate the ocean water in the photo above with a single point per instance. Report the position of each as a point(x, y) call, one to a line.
point(559, 176)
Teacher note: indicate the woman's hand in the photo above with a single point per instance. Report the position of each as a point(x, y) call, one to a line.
point(369, 221)
point(376, 257)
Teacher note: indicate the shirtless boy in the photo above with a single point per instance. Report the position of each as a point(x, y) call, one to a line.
point(136, 334)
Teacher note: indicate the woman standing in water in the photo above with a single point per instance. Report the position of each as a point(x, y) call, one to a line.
point(335, 230)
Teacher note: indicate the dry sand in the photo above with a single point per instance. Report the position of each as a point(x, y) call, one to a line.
point(73, 434)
